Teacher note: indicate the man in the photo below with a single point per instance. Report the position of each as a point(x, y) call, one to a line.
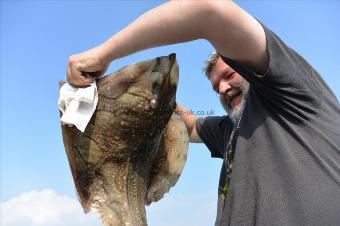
point(226, 82)
point(280, 141)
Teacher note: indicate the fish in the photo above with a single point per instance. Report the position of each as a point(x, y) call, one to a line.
point(134, 147)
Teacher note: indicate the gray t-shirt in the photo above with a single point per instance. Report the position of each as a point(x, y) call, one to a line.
point(286, 168)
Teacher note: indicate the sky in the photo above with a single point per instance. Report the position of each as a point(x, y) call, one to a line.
point(36, 39)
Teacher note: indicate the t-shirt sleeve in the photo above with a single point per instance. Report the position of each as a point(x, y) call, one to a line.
point(213, 131)
point(290, 87)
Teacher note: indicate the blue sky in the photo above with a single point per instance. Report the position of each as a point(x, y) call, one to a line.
point(36, 39)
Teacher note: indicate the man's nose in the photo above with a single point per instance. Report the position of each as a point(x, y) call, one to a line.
point(224, 86)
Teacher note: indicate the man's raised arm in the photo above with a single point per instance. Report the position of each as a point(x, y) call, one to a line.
point(232, 32)
point(190, 123)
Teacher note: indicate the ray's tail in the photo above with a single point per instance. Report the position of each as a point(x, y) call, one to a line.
point(120, 197)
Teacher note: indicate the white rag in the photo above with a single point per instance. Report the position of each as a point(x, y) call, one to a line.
point(77, 104)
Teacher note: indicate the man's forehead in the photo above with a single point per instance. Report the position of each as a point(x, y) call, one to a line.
point(220, 68)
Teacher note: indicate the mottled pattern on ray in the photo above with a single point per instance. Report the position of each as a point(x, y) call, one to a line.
point(130, 153)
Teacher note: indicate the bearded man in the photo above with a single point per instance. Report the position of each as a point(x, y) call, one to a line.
point(280, 141)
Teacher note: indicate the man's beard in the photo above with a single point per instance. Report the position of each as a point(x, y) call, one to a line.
point(236, 112)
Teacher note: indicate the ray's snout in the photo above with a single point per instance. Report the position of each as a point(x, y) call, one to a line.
point(170, 70)
point(173, 74)
point(172, 57)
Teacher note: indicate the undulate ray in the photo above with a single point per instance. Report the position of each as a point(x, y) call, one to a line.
point(133, 150)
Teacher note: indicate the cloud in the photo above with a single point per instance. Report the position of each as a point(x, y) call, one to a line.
point(45, 208)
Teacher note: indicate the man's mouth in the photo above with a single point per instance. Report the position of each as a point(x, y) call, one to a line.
point(234, 98)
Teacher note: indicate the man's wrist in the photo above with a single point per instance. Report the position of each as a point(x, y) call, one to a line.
point(107, 51)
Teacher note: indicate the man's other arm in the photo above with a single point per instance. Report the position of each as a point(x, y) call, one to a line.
point(190, 123)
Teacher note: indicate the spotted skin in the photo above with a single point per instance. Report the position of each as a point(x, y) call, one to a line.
point(122, 159)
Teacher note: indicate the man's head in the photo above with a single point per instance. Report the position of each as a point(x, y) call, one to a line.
point(231, 86)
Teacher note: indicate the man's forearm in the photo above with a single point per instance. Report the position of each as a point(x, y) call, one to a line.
point(190, 122)
point(189, 119)
point(170, 23)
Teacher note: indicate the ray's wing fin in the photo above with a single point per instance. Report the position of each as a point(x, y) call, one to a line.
point(69, 136)
point(115, 84)
point(170, 160)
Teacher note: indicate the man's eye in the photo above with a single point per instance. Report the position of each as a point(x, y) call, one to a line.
point(229, 74)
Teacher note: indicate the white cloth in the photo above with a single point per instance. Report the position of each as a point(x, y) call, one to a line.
point(77, 104)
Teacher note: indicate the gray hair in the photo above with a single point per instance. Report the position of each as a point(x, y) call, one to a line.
point(210, 63)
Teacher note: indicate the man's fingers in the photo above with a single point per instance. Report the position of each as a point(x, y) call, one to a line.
point(76, 78)
point(97, 74)
point(69, 76)
point(84, 68)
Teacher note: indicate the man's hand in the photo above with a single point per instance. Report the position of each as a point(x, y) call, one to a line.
point(84, 67)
